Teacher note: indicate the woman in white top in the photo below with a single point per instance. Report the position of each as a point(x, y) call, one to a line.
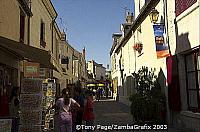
point(64, 105)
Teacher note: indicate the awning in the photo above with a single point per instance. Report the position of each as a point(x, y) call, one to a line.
point(26, 52)
point(91, 85)
point(100, 85)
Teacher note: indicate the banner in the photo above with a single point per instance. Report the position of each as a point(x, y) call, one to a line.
point(162, 49)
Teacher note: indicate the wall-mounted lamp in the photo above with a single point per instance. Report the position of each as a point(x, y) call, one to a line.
point(154, 15)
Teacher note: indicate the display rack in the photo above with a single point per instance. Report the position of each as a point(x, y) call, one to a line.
point(49, 91)
point(37, 98)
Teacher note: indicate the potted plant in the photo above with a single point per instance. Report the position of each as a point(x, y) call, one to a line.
point(148, 102)
point(138, 47)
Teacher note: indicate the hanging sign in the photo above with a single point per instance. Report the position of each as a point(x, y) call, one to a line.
point(162, 49)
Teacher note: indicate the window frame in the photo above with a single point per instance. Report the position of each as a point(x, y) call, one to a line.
point(22, 26)
point(195, 54)
point(42, 34)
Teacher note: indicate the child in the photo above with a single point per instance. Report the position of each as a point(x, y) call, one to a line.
point(88, 115)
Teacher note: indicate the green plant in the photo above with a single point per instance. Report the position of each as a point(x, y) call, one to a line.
point(148, 102)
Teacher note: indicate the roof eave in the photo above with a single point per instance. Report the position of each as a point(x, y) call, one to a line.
point(25, 7)
point(141, 17)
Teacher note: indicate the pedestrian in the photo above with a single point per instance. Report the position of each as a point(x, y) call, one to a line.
point(14, 107)
point(98, 92)
point(88, 114)
point(65, 116)
point(79, 113)
point(14, 102)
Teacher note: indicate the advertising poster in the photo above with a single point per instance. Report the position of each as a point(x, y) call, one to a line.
point(162, 49)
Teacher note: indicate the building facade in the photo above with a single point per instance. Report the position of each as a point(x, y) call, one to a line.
point(14, 17)
point(30, 37)
point(96, 70)
point(177, 68)
point(184, 36)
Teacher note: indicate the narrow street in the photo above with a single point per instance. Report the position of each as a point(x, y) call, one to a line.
point(141, 51)
point(110, 112)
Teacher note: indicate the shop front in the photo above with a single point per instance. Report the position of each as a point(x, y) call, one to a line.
point(19, 62)
point(9, 78)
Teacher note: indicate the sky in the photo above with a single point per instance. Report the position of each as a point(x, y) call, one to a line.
point(91, 23)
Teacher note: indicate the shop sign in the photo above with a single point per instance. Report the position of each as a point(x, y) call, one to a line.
point(65, 60)
point(31, 69)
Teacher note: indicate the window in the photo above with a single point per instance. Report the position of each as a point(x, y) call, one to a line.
point(57, 49)
point(42, 35)
point(22, 27)
point(192, 66)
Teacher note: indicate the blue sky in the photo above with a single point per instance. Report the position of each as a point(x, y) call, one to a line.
point(90, 23)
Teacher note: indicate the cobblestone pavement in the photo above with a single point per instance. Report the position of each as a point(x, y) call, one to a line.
point(110, 112)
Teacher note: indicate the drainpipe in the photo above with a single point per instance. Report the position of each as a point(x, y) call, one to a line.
point(52, 39)
point(29, 17)
point(168, 114)
point(122, 78)
point(28, 36)
point(52, 25)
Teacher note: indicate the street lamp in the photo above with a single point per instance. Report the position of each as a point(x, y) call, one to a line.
point(154, 15)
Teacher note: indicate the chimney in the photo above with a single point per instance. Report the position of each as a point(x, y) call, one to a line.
point(107, 66)
point(83, 53)
point(129, 18)
point(63, 36)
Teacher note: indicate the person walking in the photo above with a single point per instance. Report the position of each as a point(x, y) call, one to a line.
point(98, 93)
point(79, 113)
point(14, 108)
point(64, 105)
point(14, 102)
point(88, 114)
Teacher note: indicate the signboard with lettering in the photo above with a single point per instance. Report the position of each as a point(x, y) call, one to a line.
point(31, 69)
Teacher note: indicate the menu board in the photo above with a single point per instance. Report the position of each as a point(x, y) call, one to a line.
point(31, 105)
point(31, 85)
point(30, 128)
point(5, 125)
point(31, 101)
point(31, 117)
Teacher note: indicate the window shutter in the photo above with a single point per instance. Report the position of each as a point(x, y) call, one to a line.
point(173, 84)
